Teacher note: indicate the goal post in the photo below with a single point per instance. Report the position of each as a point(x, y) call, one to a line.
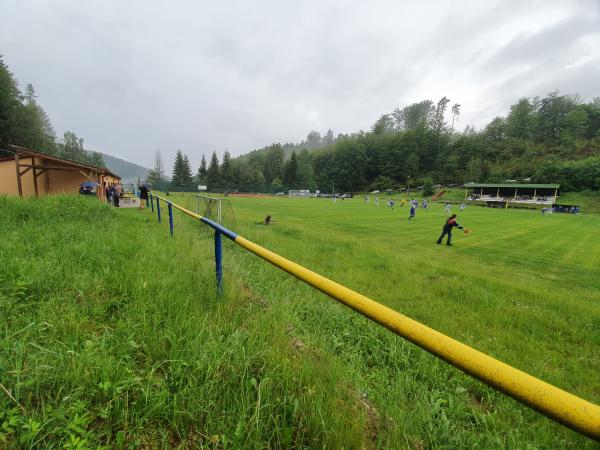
point(218, 209)
point(210, 207)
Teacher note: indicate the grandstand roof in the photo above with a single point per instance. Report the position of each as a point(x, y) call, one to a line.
point(512, 185)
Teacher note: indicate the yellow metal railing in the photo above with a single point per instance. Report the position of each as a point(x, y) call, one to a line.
point(557, 404)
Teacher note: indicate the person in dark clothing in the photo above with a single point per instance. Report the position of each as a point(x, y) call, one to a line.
point(116, 194)
point(412, 211)
point(107, 192)
point(447, 230)
point(143, 196)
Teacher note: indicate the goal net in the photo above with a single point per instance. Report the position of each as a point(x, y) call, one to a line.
point(216, 208)
point(299, 193)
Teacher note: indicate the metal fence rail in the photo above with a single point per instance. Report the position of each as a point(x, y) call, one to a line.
point(557, 404)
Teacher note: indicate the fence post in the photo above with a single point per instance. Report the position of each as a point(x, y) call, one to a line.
point(152, 202)
point(171, 219)
point(158, 208)
point(219, 262)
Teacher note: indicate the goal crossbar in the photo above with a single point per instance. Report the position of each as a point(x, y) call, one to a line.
point(209, 202)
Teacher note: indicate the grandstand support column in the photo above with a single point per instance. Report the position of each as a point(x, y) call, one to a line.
point(534, 193)
point(498, 193)
point(515, 193)
point(481, 193)
point(555, 194)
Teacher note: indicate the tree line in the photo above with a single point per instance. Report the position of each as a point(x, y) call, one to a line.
point(24, 123)
point(554, 139)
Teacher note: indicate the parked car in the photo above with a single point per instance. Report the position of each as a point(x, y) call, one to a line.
point(88, 188)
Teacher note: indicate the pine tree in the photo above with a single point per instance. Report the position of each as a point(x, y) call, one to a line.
point(201, 176)
point(38, 133)
point(177, 180)
point(213, 176)
point(226, 171)
point(10, 107)
point(187, 175)
point(290, 176)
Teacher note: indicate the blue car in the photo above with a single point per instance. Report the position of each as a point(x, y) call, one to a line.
point(88, 188)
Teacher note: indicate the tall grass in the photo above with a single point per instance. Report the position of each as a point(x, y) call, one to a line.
point(112, 334)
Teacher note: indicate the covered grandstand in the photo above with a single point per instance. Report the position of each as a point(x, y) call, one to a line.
point(512, 195)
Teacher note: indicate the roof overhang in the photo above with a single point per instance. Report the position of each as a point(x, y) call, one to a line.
point(512, 185)
point(34, 154)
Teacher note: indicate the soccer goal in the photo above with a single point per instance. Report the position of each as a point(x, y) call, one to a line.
point(299, 193)
point(215, 208)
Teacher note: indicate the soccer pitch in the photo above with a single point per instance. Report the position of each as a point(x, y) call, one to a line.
point(114, 334)
point(522, 287)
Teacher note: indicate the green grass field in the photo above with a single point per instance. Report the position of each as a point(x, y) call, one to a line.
point(113, 335)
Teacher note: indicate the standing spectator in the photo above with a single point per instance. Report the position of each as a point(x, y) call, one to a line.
point(116, 194)
point(143, 195)
point(107, 192)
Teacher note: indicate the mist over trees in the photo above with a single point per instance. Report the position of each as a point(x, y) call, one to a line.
point(23, 122)
point(551, 139)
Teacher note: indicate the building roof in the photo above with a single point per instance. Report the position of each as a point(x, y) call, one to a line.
point(28, 152)
point(512, 185)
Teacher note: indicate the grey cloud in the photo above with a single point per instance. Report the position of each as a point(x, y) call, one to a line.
point(134, 76)
point(551, 43)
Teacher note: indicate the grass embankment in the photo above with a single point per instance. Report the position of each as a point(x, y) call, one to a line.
point(112, 333)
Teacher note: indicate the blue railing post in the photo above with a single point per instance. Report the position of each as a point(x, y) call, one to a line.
point(151, 202)
point(158, 208)
point(171, 219)
point(219, 262)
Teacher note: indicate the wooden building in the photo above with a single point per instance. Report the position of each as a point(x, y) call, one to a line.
point(30, 173)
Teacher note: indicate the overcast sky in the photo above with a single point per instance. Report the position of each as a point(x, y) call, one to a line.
point(133, 76)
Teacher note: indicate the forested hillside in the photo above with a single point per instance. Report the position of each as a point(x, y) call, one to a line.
point(125, 169)
point(23, 122)
point(550, 139)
